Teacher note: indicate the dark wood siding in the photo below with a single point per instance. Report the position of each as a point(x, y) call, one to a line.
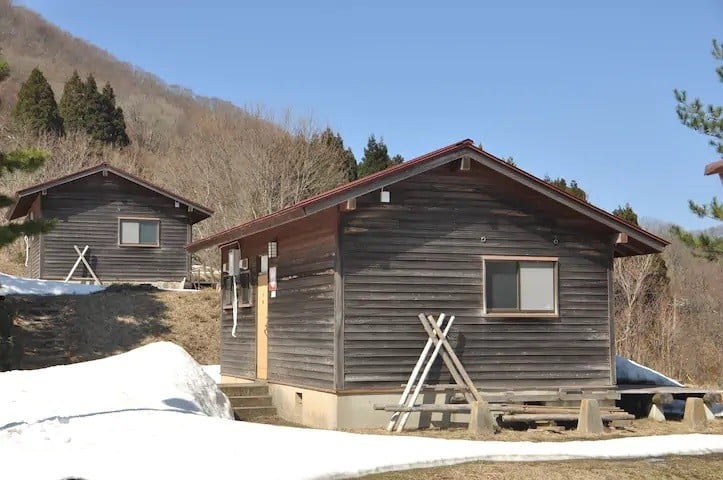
point(87, 211)
point(238, 354)
point(423, 253)
point(300, 328)
point(34, 245)
point(301, 317)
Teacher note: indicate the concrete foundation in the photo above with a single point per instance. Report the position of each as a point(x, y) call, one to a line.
point(317, 409)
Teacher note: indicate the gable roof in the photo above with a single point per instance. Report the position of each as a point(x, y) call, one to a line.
point(645, 242)
point(26, 196)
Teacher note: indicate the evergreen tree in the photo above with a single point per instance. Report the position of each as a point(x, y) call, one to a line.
point(347, 159)
point(87, 110)
point(109, 125)
point(708, 120)
point(73, 104)
point(572, 188)
point(19, 160)
point(36, 108)
point(627, 213)
point(376, 157)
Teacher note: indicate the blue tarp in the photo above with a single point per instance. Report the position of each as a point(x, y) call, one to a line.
point(631, 373)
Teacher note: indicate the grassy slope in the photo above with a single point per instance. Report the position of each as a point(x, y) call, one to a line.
point(114, 321)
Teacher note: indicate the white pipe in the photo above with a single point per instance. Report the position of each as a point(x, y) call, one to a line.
point(235, 307)
point(27, 250)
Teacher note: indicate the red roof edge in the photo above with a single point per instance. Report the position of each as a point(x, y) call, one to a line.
point(220, 237)
point(713, 168)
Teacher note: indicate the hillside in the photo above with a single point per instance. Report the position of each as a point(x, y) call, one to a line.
point(56, 330)
point(242, 164)
point(29, 41)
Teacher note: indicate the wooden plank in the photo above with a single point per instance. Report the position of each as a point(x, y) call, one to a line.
point(339, 365)
point(422, 359)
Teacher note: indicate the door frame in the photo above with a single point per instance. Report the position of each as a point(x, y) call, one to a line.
point(262, 321)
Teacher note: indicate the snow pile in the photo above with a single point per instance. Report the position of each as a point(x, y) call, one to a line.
point(632, 373)
point(159, 377)
point(12, 285)
point(154, 413)
point(213, 371)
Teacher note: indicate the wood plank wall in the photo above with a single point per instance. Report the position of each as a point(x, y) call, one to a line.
point(301, 317)
point(422, 252)
point(238, 354)
point(87, 211)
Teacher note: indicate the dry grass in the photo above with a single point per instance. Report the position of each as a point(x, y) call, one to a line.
point(639, 428)
point(705, 467)
point(117, 320)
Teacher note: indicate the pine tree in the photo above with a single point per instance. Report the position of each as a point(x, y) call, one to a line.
point(19, 160)
point(346, 157)
point(87, 110)
point(73, 105)
point(572, 188)
point(708, 120)
point(626, 213)
point(376, 157)
point(36, 108)
point(109, 124)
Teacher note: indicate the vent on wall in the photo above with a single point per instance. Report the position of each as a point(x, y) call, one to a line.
point(385, 197)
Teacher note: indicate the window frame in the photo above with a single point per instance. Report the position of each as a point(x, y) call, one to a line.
point(509, 313)
point(139, 220)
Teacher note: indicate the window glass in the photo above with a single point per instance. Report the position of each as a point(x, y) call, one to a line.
point(130, 232)
point(501, 285)
point(537, 286)
point(148, 233)
point(139, 232)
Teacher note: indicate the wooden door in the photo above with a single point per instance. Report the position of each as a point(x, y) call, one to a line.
point(262, 317)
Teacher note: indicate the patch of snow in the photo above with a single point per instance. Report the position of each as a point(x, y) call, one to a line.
point(159, 377)
point(213, 371)
point(12, 285)
point(629, 372)
point(153, 413)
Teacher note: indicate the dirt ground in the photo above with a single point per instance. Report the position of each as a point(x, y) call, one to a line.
point(69, 329)
point(705, 467)
point(639, 428)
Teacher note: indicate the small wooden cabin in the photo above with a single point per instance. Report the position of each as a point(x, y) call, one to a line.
point(329, 289)
point(135, 231)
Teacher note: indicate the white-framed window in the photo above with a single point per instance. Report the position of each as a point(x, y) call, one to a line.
point(520, 286)
point(139, 232)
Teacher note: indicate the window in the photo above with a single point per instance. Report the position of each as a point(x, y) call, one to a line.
point(139, 232)
point(518, 287)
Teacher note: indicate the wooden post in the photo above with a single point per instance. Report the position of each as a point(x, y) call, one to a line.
point(413, 377)
point(426, 370)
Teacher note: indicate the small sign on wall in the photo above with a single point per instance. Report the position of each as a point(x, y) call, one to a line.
point(272, 281)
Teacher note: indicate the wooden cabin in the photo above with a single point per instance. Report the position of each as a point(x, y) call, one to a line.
point(328, 290)
point(135, 231)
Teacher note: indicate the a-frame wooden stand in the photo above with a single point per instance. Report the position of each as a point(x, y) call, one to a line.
point(481, 419)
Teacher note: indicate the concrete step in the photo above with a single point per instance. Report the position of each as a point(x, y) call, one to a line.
point(244, 389)
point(251, 401)
point(249, 413)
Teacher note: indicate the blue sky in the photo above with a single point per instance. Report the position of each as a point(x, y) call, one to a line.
point(582, 92)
